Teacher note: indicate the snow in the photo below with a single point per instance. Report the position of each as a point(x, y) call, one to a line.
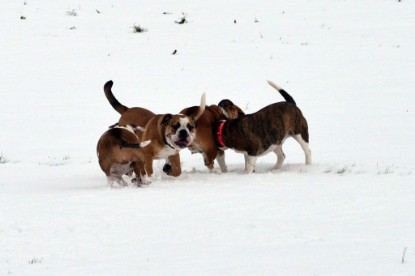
point(349, 66)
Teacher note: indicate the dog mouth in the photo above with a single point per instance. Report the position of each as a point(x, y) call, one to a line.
point(182, 143)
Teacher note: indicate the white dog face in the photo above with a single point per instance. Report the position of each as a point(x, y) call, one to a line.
point(180, 131)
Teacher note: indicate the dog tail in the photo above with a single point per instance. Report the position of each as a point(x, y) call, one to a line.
point(283, 93)
point(201, 108)
point(112, 100)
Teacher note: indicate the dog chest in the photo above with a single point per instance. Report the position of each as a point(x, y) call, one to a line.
point(166, 152)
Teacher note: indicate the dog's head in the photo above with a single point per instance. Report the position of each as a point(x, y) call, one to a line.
point(179, 130)
point(230, 110)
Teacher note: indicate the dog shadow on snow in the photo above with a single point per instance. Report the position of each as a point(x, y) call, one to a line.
point(261, 168)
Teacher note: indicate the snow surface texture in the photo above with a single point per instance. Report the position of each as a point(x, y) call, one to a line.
point(348, 64)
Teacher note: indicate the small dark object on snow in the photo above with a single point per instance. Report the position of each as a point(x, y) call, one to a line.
point(138, 29)
point(182, 20)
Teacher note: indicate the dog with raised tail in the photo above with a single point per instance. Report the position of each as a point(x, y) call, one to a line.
point(120, 152)
point(264, 131)
point(169, 133)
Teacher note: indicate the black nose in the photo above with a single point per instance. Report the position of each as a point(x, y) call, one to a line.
point(182, 134)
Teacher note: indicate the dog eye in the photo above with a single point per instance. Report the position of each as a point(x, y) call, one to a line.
point(190, 127)
point(176, 126)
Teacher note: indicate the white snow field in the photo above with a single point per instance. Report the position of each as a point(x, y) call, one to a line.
point(348, 64)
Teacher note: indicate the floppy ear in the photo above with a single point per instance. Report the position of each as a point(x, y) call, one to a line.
point(166, 119)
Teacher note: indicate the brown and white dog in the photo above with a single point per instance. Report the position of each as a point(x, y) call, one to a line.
point(168, 134)
point(120, 152)
point(264, 131)
point(205, 142)
point(137, 116)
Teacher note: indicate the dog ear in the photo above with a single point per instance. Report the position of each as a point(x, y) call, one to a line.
point(166, 119)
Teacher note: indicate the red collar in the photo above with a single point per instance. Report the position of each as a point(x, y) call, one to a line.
point(219, 133)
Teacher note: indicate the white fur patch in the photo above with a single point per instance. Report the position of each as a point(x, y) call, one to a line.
point(131, 129)
point(166, 152)
point(171, 139)
point(305, 147)
point(274, 85)
point(225, 113)
point(145, 180)
point(145, 143)
point(250, 163)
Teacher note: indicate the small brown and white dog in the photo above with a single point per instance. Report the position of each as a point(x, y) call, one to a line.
point(168, 134)
point(264, 131)
point(205, 142)
point(120, 152)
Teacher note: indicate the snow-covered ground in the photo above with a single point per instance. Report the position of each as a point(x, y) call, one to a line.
point(348, 64)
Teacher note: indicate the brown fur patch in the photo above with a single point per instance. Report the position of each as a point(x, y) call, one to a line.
point(205, 140)
point(114, 158)
point(255, 133)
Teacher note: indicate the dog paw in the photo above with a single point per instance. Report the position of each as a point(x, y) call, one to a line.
point(141, 180)
point(116, 182)
point(167, 169)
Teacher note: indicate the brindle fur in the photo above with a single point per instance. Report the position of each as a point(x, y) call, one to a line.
point(266, 130)
point(255, 133)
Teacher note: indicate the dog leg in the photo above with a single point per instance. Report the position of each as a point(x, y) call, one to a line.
point(141, 177)
point(246, 162)
point(130, 172)
point(110, 181)
point(280, 157)
point(146, 171)
point(304, 146)
point(250, 162)
point(221, 161)
point(116, 181)
point(209, 163)
point(145, 180)
point(174, 161)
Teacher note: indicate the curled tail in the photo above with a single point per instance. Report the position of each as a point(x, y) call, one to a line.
point(283, 93)
point(112, 100)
